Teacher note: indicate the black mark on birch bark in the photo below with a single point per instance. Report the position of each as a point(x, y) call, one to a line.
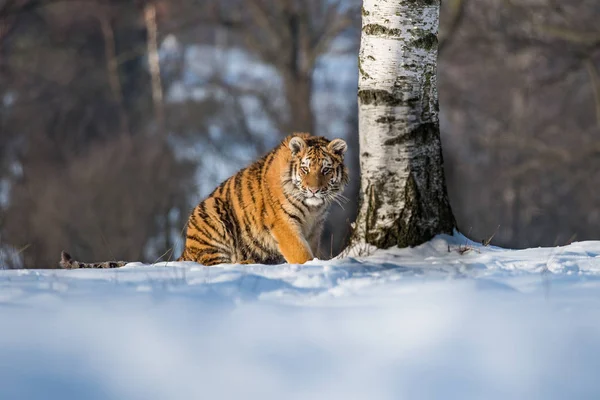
point(376, 29)
point(378, 97)
point(388, 119)
point(361, 70)
point(427, 41)
point(421, 2)
point(422, 134)
point(373, 205)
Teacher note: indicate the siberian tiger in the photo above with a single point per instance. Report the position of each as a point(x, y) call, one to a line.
point(268, 213)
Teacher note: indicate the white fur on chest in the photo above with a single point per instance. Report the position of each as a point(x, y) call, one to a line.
point(313, 202)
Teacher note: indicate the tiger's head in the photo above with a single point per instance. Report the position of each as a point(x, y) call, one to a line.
point(317, 172)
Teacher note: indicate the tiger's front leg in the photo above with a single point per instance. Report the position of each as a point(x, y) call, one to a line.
point(314, 239)
point(291, 244)
point(206, 255)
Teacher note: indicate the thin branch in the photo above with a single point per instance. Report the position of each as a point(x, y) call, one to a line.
point(263, 17)
point(335, 23)
point(262, 96)
point(569, 35)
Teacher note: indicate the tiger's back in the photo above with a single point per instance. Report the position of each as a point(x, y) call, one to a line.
point(271, 211)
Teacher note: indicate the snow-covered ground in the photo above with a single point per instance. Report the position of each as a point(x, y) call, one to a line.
point(448, 320)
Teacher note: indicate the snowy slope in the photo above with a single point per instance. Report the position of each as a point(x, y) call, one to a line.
point(433, 322)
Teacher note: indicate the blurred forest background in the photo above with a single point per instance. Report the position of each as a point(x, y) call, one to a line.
point(118, 116)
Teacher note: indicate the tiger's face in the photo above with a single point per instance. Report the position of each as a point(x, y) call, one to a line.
point(317, 170)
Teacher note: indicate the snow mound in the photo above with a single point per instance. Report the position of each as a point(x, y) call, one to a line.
point(448, 319)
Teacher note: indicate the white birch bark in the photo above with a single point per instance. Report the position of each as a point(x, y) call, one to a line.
point(403, 191)
point(154, 62)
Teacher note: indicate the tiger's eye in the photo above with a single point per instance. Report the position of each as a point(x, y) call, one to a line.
point(326, 171)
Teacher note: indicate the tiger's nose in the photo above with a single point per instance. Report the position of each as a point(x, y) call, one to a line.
point(313, 190)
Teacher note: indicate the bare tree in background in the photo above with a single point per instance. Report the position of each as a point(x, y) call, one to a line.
point(403, 190)
point(519, 112)
point(89, 73)
point(290, 35)
point(81, 168)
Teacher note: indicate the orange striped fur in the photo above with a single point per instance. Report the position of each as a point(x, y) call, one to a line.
point(269, 212)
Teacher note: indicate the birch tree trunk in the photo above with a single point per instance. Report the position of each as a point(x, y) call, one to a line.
point(403, 197)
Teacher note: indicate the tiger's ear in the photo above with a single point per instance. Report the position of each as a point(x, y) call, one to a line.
point(296, 144)
point(338, 146)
